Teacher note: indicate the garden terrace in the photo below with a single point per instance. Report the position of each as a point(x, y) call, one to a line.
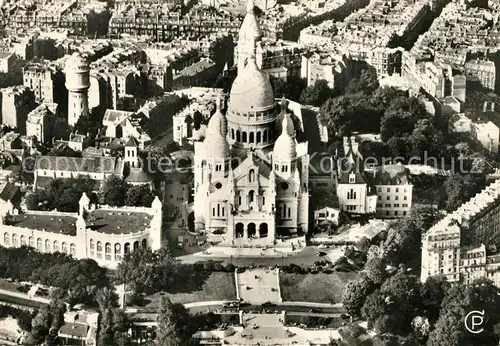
point(217, 286)
point(319, 288)
point(118, 222)
point(45, 222)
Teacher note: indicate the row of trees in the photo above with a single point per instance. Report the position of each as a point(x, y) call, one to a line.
point(76, 280)
point(146, 271)
point(395, 303)
point(116, 192)
point(64, 194)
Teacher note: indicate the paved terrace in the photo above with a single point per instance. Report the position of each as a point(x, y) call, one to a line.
point(258, 286)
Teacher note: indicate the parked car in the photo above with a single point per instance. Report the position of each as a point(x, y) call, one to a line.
point(321, 254)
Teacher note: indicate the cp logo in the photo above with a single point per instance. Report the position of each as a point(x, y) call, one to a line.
point(473, 321)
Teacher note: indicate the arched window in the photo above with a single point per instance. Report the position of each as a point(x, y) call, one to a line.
point(144, 243)
point(238, 136)
point(6, 239)
point(107, 249)
point(263, 231)
point(47, 245)
point(72, 249)
point(251, 196)
point(239, 229)
point(23, 241)
point(39, 244)
point(232, 133)
point(264, 137)
point(258, 137)
point(92, 247)
point(136, 245)
point(118, 252)
point(99, 250)
point(251, 138)
point(127, 248)
point(244, 137)
point(251, 176)
point(64, 247)
point(55, 246)
point(14, 240)
point(31, 241)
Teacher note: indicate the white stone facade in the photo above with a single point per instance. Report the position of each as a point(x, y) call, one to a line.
point(250, 173)
point(106, 248)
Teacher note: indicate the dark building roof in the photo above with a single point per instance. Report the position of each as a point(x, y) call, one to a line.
point(11, 192)
point(138, 175)
point(77, 164)
point(74, 330)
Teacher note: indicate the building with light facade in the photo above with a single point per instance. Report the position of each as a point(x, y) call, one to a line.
point(251, 175)
point(78, 84)
point(40, 122)
point(384, 191)
point(104, 234)
point(463, 245)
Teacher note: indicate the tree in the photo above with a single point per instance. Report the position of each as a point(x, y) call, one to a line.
point(316, 94)
point(63, 150)
point(373, 309)
point(25, 174)
point(63, 195)
point(139, 196)
point(355, 295)
point(402, 295)
point(113, 191)
point(367, 82)
point(92, 123)
point(432, 294)
point(168, 329)
point(460, 188)
point(375, 270)
point(291, 87)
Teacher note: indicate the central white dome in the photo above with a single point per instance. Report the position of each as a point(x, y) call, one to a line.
point(251, 90)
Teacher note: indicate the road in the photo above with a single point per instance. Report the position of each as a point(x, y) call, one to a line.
point(294, 308)
point(306, 257)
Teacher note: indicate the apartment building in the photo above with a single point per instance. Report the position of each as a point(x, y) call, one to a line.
point(40, 122)
point(16, 103)
point(485, 132)
point(44, 81)
point(481, 71)
point(334, 67)
point(157, 22)
point(394, 191)
point(463, 245)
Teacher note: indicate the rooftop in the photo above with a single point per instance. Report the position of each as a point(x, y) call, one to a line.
point(74, 330)
point(117, 222)
point(45, 222)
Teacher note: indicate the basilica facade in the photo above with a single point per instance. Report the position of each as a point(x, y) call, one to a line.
point(251, 175)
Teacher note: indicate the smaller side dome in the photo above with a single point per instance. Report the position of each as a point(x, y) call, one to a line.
point(285, 146)
point(217, 146)
point(218, 122)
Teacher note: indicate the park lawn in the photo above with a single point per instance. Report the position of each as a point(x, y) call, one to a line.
point(320, 288)
point(218, 286)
